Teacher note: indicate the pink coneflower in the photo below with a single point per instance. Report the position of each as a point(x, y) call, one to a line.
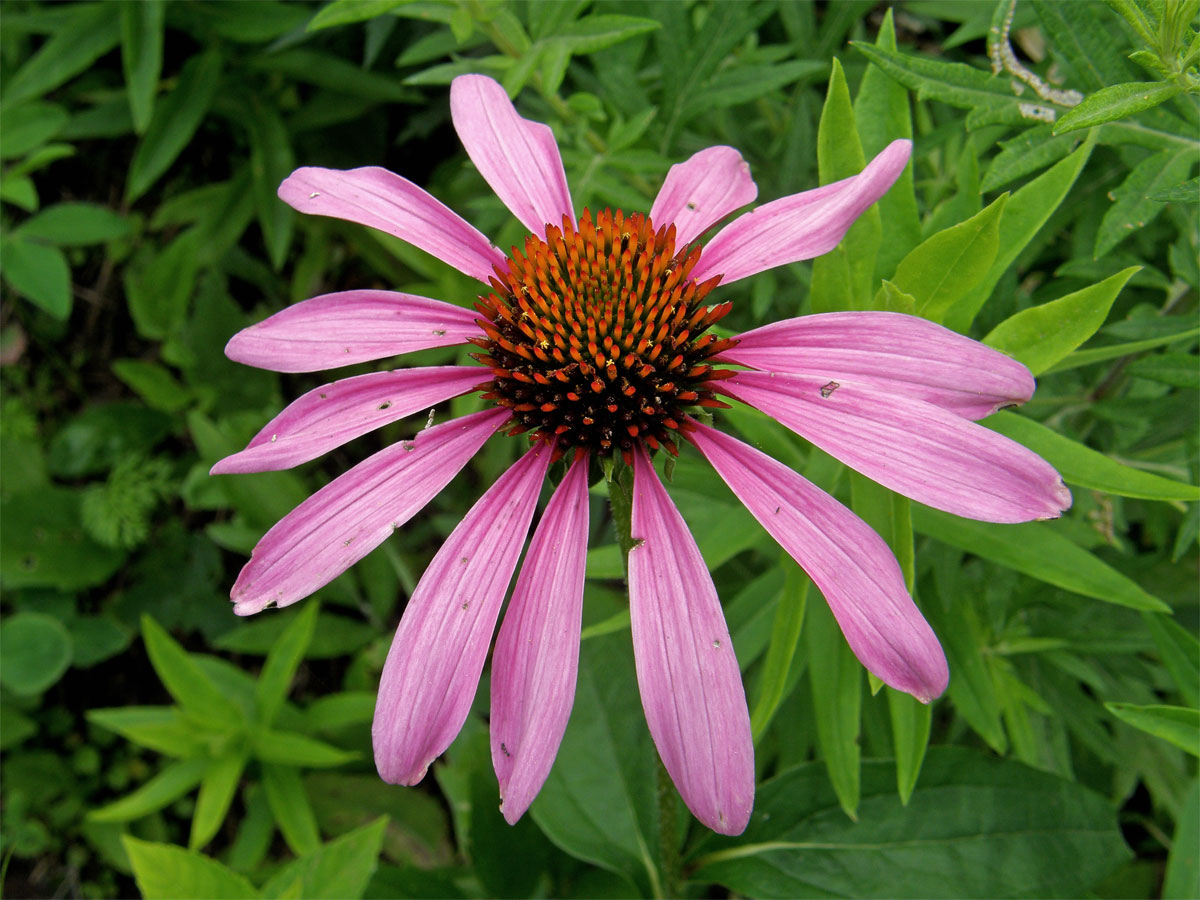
point(594, 338)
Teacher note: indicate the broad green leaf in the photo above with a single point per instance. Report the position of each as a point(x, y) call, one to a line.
point(598, 802)
point(785, 636)
point(91, 31)
point(42, 544)
point(1091, 355)
point(1178, 725)
point(15, 727)
point(1132, 208)
point(1024, 215)
point(974, 827)
point(890, 298)
point(1184, 192)
point(217, 790)
point(175, 120)
point(36, 649)
point(290, 806)
point(840, 155)
point(1182, 881)
point(187, 682)
point(339, 869)
point(990, 100)
point(29, 126)
point(167, 872)
point(275, 679)
point(944, 268)
point(1179, 650)
point(835, 676)
point(1039, 551)
point(1081, 465)
point(19, 191)
point(1042, 335)
point(102, 435)
point(159, 728)
point(73, 225)
point(40, 274)
point(152, 382)
point(1117, 101)
point(291, 749)
point(346, 12)
point(142, 56)
point(172, 782)
point(881, 115)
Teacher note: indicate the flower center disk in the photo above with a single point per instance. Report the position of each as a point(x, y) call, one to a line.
point(596, 335)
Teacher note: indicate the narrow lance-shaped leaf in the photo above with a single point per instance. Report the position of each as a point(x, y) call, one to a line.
point(289, 804)
point(286, 654)
point(142, 56)
point(835, 677)
point(171, 783)
point(1178, 725)
point(1118, 101)
point(785, 637)
point(167, 872)
point(186, 681)
point(1133, 209)
point(217, 790)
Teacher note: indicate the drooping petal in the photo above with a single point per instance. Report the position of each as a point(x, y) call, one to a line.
point(915, 448)
point(518, 157)
point(433, 667)
point(353, 514)
point(846, 559)
point(687, 673)
point(800, 226)
point(329, 416)
point(893, 352)
point(702, 190)
point(350, 327)
point(381, 199)
point(536, 660)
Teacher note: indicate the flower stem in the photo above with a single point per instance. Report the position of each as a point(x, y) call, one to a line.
point(620, 500)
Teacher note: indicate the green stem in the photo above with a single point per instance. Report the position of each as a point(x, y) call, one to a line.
point(620, 500)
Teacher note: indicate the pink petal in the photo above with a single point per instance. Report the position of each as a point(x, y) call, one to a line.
point(915, 448)
point(333, 414)
point(800, 226)
point(849, 562)
point(701, 191)
point(536, 659)
point(687, 673)
point(433, 668)
point(350, 327)
point(353, 514)
point(899, 354)
point(519, 158)
point(381, 199)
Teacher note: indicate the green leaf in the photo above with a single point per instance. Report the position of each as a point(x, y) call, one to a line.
point(785, 637)
point(890, 298)
point(1100, 354)
point(1039, 551)
point(152, 382)
point(1182, 880)
point(271, 161)
point(337, 711)
point(843, 278)
point(167, 872)
point(1042, 335)
point(1024, 215)
point(1184, 192)
point(275, 679)
point(217, 789)
point(36, 649)
point(749, 82)
point(601, 31)
point(175, 120)
point(1081, 465)
point(30, 125)
point(159, 728)
point(40, 274)
point(598, 802)
point(43, 545)
point(346, 12)
point(1133, 208)
point(835, 676)
point(142, 56)
point(1179, 650)
point(187, 682)
point(339, 869)
point(73, 225)
point(911, 723)
point(1082, 44)
point(974, 827)
point(1178, 725)
point(1030, 151)
point(1117, 101)
point(171, 783)
point(882, 115)
point(944, 268)
point(291, 749)
point(90, 31)
point(337, 74)
point(990, 100)
point(290, 806)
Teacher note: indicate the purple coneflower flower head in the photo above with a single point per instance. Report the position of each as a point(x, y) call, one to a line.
point(594, 339)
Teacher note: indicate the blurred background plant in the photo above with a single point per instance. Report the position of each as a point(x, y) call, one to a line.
point(1054, 180)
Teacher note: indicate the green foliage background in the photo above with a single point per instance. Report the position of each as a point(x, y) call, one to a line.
point(152, 741)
